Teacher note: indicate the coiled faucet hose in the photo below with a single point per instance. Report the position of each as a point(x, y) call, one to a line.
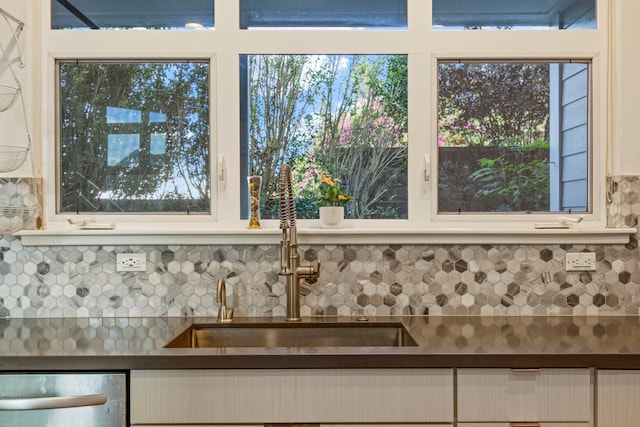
point(287, 202)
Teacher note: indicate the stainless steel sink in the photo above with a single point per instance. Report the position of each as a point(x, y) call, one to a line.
point(269, 335)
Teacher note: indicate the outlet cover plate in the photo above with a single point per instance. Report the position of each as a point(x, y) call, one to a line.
point(580, 261)
point(131, 262)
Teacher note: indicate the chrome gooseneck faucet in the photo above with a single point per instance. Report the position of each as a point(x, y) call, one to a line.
point(294, 274)
point(225, 314)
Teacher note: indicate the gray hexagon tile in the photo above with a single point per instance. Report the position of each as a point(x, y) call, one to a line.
point(624, 201)
point(372, 280)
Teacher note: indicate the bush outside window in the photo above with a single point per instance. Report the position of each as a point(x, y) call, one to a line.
point(495, 137)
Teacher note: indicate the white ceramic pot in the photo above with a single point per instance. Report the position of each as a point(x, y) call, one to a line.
point(331, 216)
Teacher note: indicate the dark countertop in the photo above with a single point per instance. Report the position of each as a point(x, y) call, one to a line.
point(448, 341)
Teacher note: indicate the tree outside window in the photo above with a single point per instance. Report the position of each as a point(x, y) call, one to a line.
point(134, 137)
point(494, 135)
point(344, 114)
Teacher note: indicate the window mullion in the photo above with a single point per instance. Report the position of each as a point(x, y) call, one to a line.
point(422, 135)
point(227, 15)
point(419, 15)
point(225, 132)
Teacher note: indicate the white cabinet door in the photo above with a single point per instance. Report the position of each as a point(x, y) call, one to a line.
point(543, 395)
point(618, 398)
point(258, 396)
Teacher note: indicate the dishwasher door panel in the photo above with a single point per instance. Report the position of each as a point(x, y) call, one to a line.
point(63, 399)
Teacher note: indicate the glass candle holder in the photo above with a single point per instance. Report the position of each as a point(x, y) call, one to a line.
point(254, 182)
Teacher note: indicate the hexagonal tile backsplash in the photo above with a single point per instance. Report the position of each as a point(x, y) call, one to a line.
point(64, 281)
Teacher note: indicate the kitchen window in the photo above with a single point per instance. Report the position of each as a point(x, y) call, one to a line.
point(520, 15)
point(134, 137)
point(128, 15)
point(352, 14)
point(341, 114)
point(513, 137)
point(422, 64)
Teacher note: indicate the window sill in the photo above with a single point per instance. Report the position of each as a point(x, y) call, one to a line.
point(308, 235)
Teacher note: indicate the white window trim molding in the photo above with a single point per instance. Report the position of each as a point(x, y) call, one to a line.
point(311, 233)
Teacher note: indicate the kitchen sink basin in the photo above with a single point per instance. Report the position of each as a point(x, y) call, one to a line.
point(271, 335)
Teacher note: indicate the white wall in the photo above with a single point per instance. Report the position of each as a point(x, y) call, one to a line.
point(12, 127)
point(626, 87)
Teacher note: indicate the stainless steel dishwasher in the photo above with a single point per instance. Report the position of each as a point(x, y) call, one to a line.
point(63, 399)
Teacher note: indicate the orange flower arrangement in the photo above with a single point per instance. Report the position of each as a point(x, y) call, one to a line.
point(331, 192)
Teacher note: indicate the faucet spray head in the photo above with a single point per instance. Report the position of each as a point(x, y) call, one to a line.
point(287, 202)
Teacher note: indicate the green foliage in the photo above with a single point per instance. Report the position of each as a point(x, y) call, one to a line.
point(515, 181)
point(393, 90)
point(345, 114)
point(486, 103)
point(364, 142)
point(145, 180)
point(503, 107)
point(281, 90)
point(330, 192)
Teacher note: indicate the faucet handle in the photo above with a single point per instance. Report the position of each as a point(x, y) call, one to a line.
point(309, 273)
point(225, 314)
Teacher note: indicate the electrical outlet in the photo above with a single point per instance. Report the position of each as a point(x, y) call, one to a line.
point(581, 261)
point(131, 262)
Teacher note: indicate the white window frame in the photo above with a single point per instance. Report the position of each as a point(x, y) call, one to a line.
point(424, 47)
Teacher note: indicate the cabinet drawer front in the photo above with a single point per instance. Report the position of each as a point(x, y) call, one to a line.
point(388, 425)
point(292, 396)
point(618, 398)
point(505, 395)
point(523, 424)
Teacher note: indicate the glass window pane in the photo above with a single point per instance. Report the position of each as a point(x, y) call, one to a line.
point(344, 114)
point(127, 14)
point(510, 14)
point(121, 147)
point(513, 137)
point(134, 137)
point(323, 14)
